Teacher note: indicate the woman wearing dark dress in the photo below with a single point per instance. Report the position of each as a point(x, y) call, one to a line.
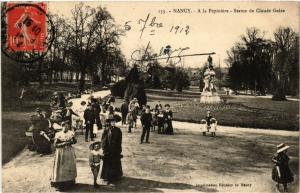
point(168, 116)
point(281, 172)
point(112, 149)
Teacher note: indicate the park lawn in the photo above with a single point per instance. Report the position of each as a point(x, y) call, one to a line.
point(15, 122)
point(241, 111)
point(15, 117)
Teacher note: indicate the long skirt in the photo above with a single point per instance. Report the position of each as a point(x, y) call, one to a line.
point(286, 175)
point(112, 168)
point(169, 128)
point(64, 168)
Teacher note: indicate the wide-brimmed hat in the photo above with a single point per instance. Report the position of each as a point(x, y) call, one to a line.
point(281, 147)
point(92, 146)
point(115, 118)
point(167, 105)
point(203, 121)
point(83, 103)
point(213, 120)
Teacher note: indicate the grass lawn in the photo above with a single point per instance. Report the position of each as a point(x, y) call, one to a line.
point(14, 124)
point(253, 112)
point(15, 118)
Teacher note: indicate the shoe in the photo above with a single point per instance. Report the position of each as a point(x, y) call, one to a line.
point(92, 140)
point(147, 142)
point(86, 140)
point(141, 142)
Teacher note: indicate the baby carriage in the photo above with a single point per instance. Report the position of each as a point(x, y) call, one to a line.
point(211, 128)
point(40, 135)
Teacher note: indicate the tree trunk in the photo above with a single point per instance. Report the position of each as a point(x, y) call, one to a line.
point(77, 76)
point(82, 80)
point(61, 76)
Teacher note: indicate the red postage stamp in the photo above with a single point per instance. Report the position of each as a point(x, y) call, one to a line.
point(26, 27)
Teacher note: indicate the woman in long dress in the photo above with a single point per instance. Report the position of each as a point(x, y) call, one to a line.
point(168, 116)
point(112, 148)
point(64, 169)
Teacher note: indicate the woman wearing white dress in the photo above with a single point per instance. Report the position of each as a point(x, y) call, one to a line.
point(64, 169)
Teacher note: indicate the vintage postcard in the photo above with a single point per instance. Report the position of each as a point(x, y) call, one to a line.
point(150, 96)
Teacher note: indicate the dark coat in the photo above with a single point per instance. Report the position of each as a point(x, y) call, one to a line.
point(89, 116)
point(112, 149)
point(208, 118)
point(168, 116)
point(124, 109)
point(96, 107)
point(146, 119)
point(282, 161)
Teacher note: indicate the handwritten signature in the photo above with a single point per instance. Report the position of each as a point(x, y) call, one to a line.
point(165, 53)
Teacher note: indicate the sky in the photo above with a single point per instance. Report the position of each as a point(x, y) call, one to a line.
point(207, 32)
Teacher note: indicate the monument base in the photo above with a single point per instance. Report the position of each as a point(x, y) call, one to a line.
point(210, 98)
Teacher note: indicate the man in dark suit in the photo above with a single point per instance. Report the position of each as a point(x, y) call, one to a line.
point(146, 120)
point(124, 111)
point(97, 109)
point(89, 117)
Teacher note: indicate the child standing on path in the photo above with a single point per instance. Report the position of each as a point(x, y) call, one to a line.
point(95, 159)
point(281, 172)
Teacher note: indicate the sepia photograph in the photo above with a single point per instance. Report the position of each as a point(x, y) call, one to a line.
point(150, 96)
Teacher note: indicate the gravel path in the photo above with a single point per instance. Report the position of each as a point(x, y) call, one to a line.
point(236, 160)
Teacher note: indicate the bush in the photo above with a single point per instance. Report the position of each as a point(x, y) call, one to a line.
point(136, 91)
point(118, 89)
point(279, 95)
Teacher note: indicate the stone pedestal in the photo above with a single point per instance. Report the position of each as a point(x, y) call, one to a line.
point(210, 98)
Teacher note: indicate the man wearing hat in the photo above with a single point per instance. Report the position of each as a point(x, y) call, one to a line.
point(97, 109)
point(112, 149)
point(281, 172)
point(89, 117)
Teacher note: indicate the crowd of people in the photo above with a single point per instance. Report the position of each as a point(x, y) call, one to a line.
point(158, 118)
point(59, 129)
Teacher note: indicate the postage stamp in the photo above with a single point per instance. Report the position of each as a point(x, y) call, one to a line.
point(28, 31)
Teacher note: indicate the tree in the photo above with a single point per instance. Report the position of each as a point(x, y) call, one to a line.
point(285, 61)
point(135, 87)
point(93, 35)
point(250, 62)
point(181, 79)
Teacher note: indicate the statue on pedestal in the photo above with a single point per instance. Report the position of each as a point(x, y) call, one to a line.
point(209, 93)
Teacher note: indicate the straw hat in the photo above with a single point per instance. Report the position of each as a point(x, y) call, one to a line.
point(92, 146)
point(281, 147)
